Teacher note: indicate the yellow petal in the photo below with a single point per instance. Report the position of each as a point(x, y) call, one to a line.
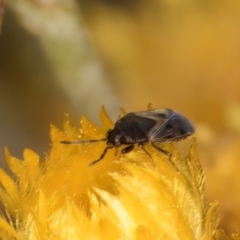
point(130, 196)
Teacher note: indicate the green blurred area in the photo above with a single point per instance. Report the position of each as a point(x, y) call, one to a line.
point(73, 57)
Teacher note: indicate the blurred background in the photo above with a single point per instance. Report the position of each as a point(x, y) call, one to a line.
point(69, 56)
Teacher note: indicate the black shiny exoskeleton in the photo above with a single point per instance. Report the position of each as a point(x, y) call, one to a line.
point(158, 125)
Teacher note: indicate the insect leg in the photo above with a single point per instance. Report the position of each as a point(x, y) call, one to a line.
point(124, 150)
point(101, 157)
point(163, 151)
point(116, 151)
point(166, 153)
point(141, 146)
point(127, 149)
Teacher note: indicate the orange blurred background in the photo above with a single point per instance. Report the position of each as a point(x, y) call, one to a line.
point(73, 57)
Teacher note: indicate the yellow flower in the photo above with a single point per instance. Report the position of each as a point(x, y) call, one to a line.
point(126, 197)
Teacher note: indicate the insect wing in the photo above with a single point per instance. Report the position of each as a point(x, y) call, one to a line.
point(160, 131)
point(158, 115)
point(158, 119)
point(175, 127)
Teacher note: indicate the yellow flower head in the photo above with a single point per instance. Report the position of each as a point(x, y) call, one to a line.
point(129, 196)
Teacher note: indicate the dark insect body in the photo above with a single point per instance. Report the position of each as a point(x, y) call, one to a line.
point(158, 125)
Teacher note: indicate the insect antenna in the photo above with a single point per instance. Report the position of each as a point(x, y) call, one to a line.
point(84, 141)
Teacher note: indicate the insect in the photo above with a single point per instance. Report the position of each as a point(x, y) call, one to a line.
point(157, 125)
